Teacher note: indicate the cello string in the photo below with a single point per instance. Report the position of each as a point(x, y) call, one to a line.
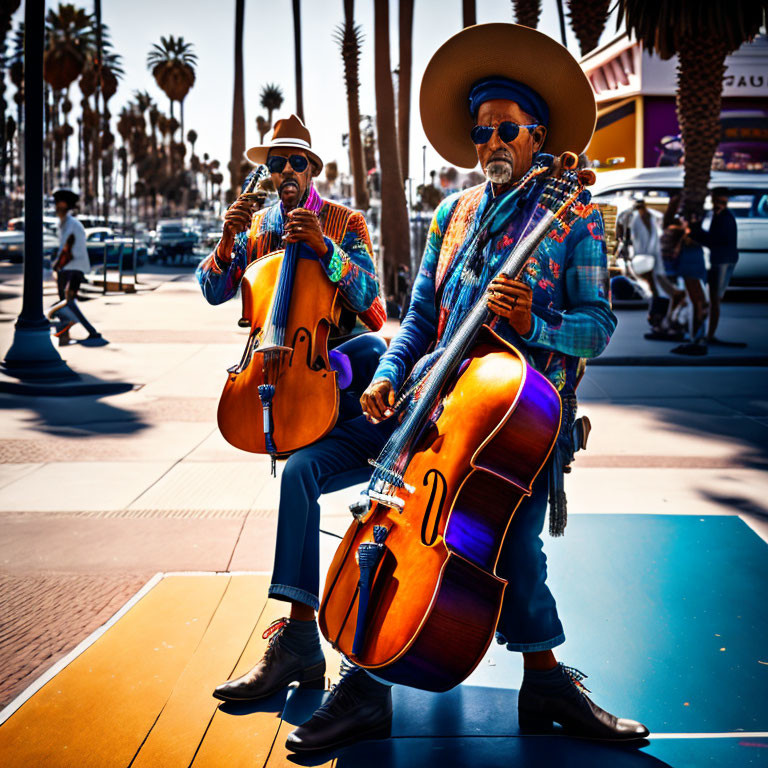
point(395, 453)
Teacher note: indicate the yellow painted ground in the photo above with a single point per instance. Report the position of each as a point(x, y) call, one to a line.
point(140, 696)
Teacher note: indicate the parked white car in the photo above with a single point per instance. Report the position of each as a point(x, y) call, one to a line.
point(748, 203)
point(12, 240)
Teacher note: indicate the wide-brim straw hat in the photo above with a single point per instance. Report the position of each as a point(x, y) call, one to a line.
point(289, 133)
point(504, 50)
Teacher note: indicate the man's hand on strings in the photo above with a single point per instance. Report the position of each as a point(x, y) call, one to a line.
point(378, 401)
point(511, 300)
point(304, 226)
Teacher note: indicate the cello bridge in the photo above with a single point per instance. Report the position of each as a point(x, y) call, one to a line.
point(388, 499)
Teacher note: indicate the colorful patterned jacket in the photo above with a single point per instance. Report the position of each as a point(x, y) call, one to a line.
point(348, 262)
point(572, 315)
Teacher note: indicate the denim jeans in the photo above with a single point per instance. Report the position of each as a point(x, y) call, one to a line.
point(529, 620)
point(337, 461)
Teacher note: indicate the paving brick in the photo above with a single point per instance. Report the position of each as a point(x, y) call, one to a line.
point(46, 615)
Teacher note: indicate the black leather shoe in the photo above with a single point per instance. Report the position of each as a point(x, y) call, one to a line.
point(359, 708)
point(278, 668)
point(564, 700)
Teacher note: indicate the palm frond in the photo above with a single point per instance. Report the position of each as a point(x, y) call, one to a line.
point(661, 26)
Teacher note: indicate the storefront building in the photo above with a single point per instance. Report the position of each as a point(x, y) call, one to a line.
point(637, 122)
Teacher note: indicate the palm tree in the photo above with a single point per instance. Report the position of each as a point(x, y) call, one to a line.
point(70, 39)
point(527, 12)
point(70, 45)
point(297, 58)
point(271, 99)
point(238, 105)
point(192, 139)
point(395, 231)
point(143, 101)
point(16, 72)
point(7, 9)
point(680, 27)
point(262, 126)
point(404, 84)
point(349, 37)
point(588, 18)
point(172, 64)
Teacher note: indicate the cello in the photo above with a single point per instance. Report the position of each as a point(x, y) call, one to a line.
point(411, 593)
point(283, 394)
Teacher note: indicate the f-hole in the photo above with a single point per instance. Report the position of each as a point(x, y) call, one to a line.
point(436, 478)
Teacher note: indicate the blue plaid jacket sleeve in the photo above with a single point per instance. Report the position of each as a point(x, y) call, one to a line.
point(584, 327)
point(219, 281)
point(419, 328)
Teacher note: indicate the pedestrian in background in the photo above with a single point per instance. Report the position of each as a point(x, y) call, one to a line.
point(721, 239)
point(683, 258)
point(645, 227)
point(70, 267)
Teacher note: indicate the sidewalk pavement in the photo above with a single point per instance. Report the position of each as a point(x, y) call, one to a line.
point(99, 493)
point(742, 321)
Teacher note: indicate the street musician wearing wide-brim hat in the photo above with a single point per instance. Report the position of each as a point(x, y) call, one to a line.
point(501, 95)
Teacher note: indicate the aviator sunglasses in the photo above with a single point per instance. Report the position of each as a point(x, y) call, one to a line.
point(508, 131)
point(276, 163)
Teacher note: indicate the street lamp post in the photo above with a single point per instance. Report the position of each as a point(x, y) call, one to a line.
point(32, 355)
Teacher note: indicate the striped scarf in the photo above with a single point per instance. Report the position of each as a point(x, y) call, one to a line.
point(502, 226)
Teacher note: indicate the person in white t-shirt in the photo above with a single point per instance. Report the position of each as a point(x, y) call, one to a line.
point(645, 231)
point(70, 267)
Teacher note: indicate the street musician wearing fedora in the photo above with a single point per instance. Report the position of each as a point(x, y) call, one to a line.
point(501, 95)
point(339, 237)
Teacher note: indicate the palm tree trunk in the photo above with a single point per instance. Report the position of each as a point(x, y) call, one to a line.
point(351, 56)
point(98, 95)
point(395, 234)
point(238, 105)
point(469, 12)
point(527, 12)
point(6, 14)
point(699, 98)
point(561, 19)
point(404, 84)
point(297, 54)
point(588, 18)
point(181, 110)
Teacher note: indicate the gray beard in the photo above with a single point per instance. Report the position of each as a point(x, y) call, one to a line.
point(499, 172)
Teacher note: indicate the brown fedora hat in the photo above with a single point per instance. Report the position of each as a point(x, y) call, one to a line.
point(289, 133)
point(512, 51)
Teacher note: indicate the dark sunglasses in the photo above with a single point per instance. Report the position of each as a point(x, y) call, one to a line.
point(508, 131)
point(276, 163)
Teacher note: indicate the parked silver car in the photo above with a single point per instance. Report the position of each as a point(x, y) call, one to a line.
point(12, 240)
point(748, 203)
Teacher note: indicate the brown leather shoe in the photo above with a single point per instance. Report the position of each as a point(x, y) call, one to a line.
point(278, 668)
point(564, 700)
point(359, 708)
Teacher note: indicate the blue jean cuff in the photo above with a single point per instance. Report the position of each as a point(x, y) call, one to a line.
point(294, 594)
point(544, 645)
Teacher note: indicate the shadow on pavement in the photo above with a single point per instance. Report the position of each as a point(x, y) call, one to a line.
point(75, 416)
point(737, 504)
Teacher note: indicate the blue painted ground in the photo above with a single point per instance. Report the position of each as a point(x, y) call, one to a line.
point(668, 617)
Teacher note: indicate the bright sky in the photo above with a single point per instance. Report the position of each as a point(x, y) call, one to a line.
point(137, 24)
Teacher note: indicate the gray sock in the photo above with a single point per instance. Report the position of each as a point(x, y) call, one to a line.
point(303, 639)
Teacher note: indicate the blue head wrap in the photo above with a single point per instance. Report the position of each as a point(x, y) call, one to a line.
point(504, 88)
